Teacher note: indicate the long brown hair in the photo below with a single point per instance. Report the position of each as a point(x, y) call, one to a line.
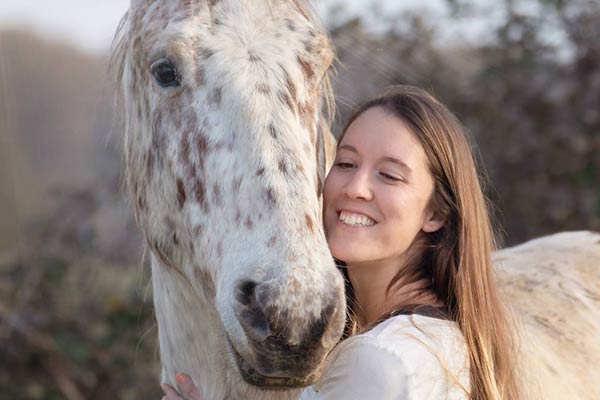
point(456, 259)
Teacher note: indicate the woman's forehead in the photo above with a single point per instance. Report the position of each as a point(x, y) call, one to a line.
point(379, 133)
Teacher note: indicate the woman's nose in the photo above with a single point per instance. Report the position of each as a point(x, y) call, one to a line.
point(359, 186)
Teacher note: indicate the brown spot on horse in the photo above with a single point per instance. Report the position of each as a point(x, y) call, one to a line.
point(200, 193)
point(273, 131)
point(282, 166)
point(286, 99)
point(216, 96)
point(263, 88)
point(307, 68)
point(181, 196)
point(270, 196)
point(200, 76)
point(309, 222)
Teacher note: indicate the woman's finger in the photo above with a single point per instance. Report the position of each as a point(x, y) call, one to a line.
point(171, 393)
point(187, 386)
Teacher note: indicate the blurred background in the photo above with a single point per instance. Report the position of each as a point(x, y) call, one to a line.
point(76, 318)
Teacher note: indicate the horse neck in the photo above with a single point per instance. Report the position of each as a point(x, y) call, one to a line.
point(192, 340)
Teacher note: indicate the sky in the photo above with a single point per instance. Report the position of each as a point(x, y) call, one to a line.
point(90, 24)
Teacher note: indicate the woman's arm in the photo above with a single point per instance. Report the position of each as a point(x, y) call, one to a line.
point(186, 385)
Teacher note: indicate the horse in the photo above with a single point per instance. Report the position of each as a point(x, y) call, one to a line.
point(226, 151)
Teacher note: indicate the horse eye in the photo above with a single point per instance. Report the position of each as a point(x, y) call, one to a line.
point(165, 73)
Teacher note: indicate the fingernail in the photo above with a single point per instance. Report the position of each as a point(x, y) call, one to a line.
point(180, 378)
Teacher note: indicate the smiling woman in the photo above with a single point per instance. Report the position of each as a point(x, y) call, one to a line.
point(404, 210)
point(405, 215)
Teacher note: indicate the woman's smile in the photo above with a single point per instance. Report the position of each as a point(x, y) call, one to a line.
point(355, 219)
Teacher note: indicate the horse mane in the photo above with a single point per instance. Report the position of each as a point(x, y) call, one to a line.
point(116, 65)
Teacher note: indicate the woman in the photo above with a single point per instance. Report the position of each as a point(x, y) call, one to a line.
point(404, 210)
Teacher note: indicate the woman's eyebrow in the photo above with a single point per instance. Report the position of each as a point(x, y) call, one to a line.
point(390, 159)
point(400, 163)
point(348, 147)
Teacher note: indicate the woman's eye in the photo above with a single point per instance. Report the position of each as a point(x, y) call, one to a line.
point(165, 73)
point(390, 177)
point(344, 165)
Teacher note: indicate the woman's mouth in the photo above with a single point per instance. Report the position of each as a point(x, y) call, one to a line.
point(355, 219)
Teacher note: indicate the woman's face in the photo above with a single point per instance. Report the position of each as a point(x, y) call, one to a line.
point(377, 193)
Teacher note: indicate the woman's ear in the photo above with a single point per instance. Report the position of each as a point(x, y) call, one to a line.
point(433, 221)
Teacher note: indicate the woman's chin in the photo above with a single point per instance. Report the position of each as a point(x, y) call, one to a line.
point(347, 243)
point(351, 253)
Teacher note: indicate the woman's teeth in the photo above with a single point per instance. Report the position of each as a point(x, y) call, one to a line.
point(352, 219)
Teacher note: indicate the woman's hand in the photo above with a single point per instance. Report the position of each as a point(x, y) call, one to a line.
point(187, 387)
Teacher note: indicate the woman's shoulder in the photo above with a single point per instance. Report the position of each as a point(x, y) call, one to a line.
point(416, 341)
point(402, 357)
point(395, 333)
point(359, 369)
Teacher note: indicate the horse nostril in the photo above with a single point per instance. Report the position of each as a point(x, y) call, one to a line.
point(254, 321)
point(261, 320)
point(333, 319)
point(317, 330)
point(245, 293)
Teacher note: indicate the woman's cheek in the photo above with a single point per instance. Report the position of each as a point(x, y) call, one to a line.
point(337, 247)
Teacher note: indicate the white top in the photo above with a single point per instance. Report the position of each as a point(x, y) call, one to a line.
point(407, 357)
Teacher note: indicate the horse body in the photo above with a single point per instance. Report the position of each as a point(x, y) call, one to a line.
point(553, 287)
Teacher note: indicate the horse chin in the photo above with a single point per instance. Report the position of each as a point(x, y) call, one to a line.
point(271, 382)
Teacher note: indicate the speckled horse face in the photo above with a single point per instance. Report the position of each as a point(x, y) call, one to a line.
point(223, 161)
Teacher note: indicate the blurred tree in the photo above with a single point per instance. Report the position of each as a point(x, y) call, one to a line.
point(73, 309)
point(529, 92)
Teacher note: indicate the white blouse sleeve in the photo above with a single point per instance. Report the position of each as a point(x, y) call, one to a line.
point(362, 371)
